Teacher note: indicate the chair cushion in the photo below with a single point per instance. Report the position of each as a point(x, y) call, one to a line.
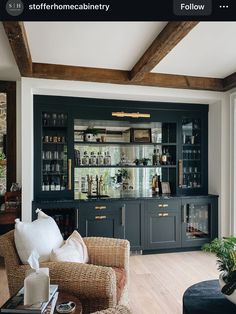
point(74, 250)
point(120, 281)
point(42, 235)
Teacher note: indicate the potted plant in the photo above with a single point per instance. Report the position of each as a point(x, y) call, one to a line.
point(89, 134)
point(121, 175)
point(137, 162)
point(225, 250)
point(145, 161)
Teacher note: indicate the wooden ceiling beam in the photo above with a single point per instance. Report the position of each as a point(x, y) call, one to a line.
point(168, 38)
point(229, 82)
point(18, 40)
point(75, 73)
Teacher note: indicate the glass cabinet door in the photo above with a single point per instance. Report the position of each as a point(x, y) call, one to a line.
point(198, 224)
point(190, 168)
point(196, 218)
point(54, 165)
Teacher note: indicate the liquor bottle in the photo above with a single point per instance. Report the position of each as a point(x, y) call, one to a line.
point(43, 186)
point(85, 159)
point(77, 158)
point(57, 184)
point(168, 157)
point(157, 191)
point(156, 157)
point(107, 159)
point(52, 185)
point(163, 157)
point(46, 184)
point(100, 159)
point(57, 167)
point(92, 159)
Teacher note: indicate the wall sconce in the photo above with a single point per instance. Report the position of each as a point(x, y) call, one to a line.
point(122, 114)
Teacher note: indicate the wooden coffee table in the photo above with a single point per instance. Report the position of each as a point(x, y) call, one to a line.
point(66, 297)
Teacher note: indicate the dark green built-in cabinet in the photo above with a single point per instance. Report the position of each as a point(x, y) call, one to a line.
point(64, 158)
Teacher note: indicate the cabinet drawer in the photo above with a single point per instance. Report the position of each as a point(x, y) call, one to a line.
point(99, 206)
point(168, 204)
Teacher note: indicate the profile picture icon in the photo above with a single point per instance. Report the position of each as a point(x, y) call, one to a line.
point(14, 7)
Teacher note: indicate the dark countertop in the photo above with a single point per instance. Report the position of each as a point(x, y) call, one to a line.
point(121, 195)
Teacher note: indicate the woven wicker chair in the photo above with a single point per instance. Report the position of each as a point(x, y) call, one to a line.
point(119, 309)
point(94, 285)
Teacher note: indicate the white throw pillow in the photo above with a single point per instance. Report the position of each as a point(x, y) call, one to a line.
point(74, 250)
point(41, 234)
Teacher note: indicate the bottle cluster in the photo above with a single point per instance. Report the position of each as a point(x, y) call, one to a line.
point(54, 119)
point(92, 160)
point(53, 183)
point(194, 154)
point(161, 159)
point(156, 185)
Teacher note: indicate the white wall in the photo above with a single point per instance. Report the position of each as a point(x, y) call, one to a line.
point(218, 128)
point(232, 97)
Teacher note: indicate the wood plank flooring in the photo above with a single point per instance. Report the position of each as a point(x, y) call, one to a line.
point(157, 281)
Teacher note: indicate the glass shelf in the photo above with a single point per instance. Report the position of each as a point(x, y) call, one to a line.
point(54, 159)
point(123, 143)
point(126, 166)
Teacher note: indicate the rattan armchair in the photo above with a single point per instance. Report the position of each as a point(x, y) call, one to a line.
point(119, 309)
point(94, 284)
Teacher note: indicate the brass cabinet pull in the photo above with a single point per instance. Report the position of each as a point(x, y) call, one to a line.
point(100, 207)
point(180, 174)
point(69, 174)
point(163, 205)
point(100, 217)
point(163, 214)
point(123, 215)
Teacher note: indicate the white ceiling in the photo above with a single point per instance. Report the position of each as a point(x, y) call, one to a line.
point(208, 50)
point(113, 45)
point(8, 68)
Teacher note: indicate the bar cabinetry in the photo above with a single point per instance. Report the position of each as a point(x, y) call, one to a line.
point(102, 168)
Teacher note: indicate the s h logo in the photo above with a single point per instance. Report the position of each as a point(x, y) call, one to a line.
point(14, 7)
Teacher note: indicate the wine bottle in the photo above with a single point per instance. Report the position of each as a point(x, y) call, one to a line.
point(155, 157)
point(163, 157)
point(46, 186)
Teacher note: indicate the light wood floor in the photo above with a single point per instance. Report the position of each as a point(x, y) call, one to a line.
point(157, 281)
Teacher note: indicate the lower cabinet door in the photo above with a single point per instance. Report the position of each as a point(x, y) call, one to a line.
point(102, 223)
point(133, 219)
point(162, 229)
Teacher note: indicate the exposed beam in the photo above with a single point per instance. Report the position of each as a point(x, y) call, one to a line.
point(65, 72)
point(168, 38)
point(76, 73)
point(229, 82)
point(18, 40)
